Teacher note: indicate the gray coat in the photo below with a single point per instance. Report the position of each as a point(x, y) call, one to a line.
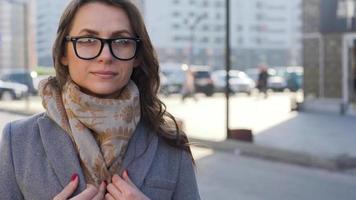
point(37, 159)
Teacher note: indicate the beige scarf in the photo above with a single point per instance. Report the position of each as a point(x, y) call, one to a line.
point(100, 128)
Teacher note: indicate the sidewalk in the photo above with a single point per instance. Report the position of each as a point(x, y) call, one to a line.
point(309, 139)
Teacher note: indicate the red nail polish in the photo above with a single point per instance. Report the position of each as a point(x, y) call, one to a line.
point(106, 183)
point(74, 176)
point(126, 172)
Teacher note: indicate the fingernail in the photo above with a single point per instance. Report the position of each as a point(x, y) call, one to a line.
point(74, 176)
point(105, 182)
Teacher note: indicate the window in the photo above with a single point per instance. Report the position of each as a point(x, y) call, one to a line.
point(176, 14)
point(219, 40)
point(219, 4)
point(205, 3)
point(205, 27)
point(239, 27)
point(176, 26)
point(259, 4)
point(205, 40)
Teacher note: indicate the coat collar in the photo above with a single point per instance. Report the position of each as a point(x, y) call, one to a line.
point(64, 160)
point(140, 153)
point(60, 152)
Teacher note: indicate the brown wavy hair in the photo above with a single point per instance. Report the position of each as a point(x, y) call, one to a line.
point(146, 75)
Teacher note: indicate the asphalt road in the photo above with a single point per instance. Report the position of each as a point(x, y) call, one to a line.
point(233, 177)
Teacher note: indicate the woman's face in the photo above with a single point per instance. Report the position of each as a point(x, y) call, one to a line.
point(104, 75)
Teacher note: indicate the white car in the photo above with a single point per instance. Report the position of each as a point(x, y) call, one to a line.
point(239, 81)
point(11, 91)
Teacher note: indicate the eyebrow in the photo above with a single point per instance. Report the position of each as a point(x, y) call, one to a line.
point(114, 34)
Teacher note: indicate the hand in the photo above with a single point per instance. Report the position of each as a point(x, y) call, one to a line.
point(90, 193)
point(123, 188)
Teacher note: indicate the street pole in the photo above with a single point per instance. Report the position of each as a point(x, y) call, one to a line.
point(227, 65)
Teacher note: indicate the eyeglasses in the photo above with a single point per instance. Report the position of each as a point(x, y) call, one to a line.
point(87, 48)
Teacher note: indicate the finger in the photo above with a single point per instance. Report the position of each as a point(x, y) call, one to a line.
point(88, 193)
point(126, 177)
point(114, 191)
point(109, 197)
point(119, 183)
point(68, 189)
point(102, 189)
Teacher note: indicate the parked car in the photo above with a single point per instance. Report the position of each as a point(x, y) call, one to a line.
point(202, 80)
point(11, 91)
point(22, 76)
point(164, 87)
point(239, 81)
point(172, 78)
point(277, 83)
point(294, 76)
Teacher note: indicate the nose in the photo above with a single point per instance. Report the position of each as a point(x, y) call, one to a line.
point(105, 55)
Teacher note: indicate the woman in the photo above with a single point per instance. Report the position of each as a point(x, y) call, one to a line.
point(105, 134)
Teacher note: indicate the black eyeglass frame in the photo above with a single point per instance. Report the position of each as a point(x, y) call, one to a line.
point(74, 40)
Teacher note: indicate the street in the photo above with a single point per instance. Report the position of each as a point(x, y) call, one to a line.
point(206, 117)
point(271, 121)
point(233, 177)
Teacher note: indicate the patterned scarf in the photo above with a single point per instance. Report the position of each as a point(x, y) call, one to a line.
point(100, 128)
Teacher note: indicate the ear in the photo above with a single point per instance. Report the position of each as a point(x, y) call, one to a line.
point(137, 62)
point(64, 60)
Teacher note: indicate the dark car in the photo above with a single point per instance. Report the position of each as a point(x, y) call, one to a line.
point(203, 81)
point(22, 76)
point(10, 91)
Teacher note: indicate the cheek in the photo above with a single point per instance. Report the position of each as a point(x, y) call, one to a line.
point(126, 69)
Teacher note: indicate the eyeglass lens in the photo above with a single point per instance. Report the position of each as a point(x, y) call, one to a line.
point(122, 48)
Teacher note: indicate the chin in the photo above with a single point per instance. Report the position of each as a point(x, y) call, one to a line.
point(102, 92)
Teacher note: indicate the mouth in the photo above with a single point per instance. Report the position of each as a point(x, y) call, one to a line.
point(104, 74)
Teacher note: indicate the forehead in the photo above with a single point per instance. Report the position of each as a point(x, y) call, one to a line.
point(102, 18)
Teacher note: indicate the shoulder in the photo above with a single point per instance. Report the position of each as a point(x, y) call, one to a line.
point(24, 125)
point(24, 130)
point(25, 122)
point(168, 150)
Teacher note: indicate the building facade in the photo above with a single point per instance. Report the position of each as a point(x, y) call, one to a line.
point(194, 31)
point(48, 13)
point(13, 37)
point(329, 55)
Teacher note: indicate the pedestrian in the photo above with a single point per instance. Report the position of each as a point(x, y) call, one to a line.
point(105, 134)
point(262, 81)
point(188, 89)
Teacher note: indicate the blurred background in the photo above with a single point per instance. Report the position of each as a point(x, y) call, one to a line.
point(281, 125)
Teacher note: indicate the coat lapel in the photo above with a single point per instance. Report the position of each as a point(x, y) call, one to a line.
point(61, 153)
point(63, 158)
point(140, 154)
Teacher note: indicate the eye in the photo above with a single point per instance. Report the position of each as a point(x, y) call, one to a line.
point(87, 41)
point(122, 42)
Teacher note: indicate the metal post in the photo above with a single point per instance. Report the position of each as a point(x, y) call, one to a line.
point(227, 65)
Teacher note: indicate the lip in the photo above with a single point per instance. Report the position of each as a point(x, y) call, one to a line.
point(104, 74)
